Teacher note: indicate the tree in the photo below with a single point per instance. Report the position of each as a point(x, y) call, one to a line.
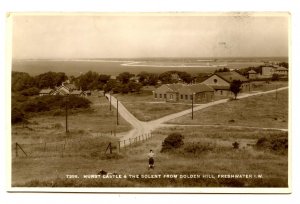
point(50, 79)
point(21, 81)
point(225, 69)
point(146, 78)
point(284, 64)
point(134, 86)
point(165, 77)
point(235, 87)
point(275, 77)
point(186, 77)
point(124, 77)
point(88, 81)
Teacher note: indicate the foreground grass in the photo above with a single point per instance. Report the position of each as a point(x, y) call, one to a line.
point(220, 158)
point(257, 111)
point(50, 126)
point(143, 108)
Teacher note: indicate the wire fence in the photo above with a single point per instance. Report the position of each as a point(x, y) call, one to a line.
point(81, 146)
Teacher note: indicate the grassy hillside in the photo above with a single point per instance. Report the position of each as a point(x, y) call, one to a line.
point(257, 111)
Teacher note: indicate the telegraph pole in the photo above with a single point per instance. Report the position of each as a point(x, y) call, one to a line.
point(67, 101)
point(193, 107)
point(276, 92)
point(110, 101)
point(117, 112)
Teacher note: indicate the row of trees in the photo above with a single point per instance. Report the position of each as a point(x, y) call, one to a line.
point(22, 81)
point(125, 82)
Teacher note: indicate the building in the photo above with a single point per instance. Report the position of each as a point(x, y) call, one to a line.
point(199, 93)
point(221, 81)
point(45, 92)
point(252, 74)
point(267, 72)
point(78, 93)
point(282, 71)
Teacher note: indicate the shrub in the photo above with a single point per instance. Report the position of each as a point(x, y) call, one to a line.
point(173, 141)
point(30, 91)
point(17, 116)
point(235, 145)
point(279, 144)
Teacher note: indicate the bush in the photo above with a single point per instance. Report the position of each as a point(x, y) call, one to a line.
point(30, 91)
point(235, 145)
point(17, 116)
point(173, 141)
point(35, 106)
point(279, 145)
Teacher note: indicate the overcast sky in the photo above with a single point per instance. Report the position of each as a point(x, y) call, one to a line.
point(149, 36)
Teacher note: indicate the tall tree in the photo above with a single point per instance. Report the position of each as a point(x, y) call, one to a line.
point(235, 87)
point(124, 77)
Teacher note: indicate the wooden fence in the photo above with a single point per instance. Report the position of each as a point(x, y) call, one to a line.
point(81, 146)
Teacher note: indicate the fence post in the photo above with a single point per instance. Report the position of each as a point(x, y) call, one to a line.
point(16, 149)
point(119, 146)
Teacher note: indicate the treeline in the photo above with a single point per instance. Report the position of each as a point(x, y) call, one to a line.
point(123, 83)
point(22, 81)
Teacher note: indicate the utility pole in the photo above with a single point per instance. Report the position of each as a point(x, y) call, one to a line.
point(117, 112)
point(67, 101)
point(276, 92)
point(193, 107)
point(110, 101)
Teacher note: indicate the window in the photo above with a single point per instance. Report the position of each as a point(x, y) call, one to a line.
point(215, 80)
point(181, 96)
point(191, 96)
point(160, 95)
point(186, 97)
point(155, 95)
point(221, 92)
point(171, 96)
point(165, 95)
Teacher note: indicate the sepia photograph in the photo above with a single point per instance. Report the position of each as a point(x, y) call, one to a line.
point(136, 102)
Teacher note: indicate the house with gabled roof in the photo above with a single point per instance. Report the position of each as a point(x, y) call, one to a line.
point(252, 74)
point(46, 92)
point(221, 81)
point(198, 93)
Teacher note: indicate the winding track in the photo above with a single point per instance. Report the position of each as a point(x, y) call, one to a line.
point(143, 128)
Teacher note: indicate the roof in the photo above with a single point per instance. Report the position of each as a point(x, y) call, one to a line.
point(69, 86)
point(148, 88)
point(230, 76)
point(218, 87)
point(174, 87)
point(196, 88)
point(251, 72)
point(46, 91)
point(76, 92)
point(281, 69)
point(62, 91)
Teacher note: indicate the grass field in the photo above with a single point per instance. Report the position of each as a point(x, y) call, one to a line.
point(206, 150)
point(257, 111)
point(220, 158)
point(143, 108)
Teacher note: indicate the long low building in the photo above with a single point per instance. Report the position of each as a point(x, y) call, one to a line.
point(221, 81)
point(199, 93)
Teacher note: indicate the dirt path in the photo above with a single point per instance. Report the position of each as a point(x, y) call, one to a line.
point(227, 126)
point(142, 128)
